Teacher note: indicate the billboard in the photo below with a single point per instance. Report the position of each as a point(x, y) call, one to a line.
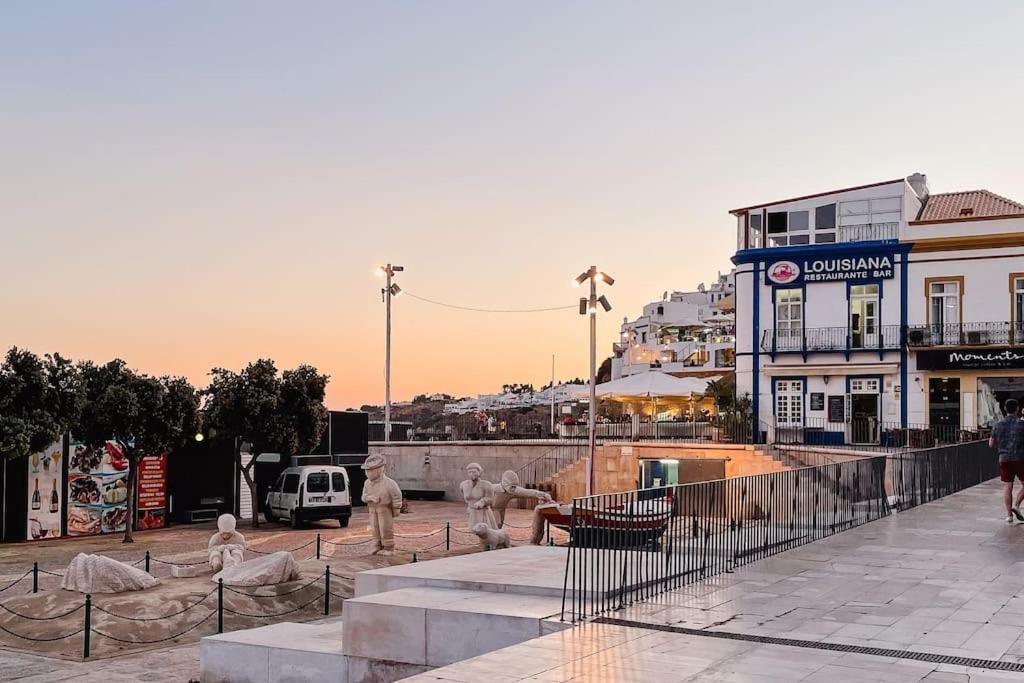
point(97, 489)
point(45, 488)
point(151, 509)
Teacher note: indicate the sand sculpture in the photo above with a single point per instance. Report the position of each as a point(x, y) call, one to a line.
point(226, 547)
point(383, 500)
point(98, 574)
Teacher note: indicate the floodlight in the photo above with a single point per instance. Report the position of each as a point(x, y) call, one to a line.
point(583, 305)
point(608, 279)
point(397, 269)
point(581, 278)
point(395, 289)
point(604, 303)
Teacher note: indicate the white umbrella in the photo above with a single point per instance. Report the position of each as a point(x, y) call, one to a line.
point(653, 385)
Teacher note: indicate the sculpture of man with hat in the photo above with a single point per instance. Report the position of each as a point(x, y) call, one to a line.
point(383, 498)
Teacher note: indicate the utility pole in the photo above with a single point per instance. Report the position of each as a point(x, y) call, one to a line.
point(552, 395)
point(588, 306)
point(389, 290)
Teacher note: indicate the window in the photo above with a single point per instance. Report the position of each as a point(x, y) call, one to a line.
point(338, 482)
point(864, 316)
point(1018, 306)
point(825, 224)
point(789, 402)
point(944, 314)
point(798, 221)
point(864, 386)
point(318, 482)
point(278, 483)
point(291, 483)
point(777, 228)
point(755, 230)
point(789, 318)
point(870, 219)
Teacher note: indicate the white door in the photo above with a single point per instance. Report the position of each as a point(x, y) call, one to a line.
point(944, 312)
point(789, 403)
point(864, 316)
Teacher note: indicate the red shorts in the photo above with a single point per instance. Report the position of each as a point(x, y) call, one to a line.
point(1011, 469)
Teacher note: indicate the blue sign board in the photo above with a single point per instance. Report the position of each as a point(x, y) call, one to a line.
point(831, 268)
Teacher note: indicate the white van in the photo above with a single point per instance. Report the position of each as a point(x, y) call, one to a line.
point(308, 493)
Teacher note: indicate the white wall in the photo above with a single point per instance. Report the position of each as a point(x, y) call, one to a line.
point(986, 281)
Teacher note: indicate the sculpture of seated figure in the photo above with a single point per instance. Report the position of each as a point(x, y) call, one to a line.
point(226, 547)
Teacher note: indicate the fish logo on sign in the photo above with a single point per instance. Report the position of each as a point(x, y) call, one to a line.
point(783, 272)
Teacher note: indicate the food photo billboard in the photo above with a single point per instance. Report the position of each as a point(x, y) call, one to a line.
point(97, 489)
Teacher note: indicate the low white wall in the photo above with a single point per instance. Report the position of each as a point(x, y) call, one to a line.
point(448, 460)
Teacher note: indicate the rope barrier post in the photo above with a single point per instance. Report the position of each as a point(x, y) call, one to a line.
point(318, 546)
point(147, 561)
point(327, 591)
point(548, 524)
point(88, 626)
point(414, 557)
point(220, 605)
point(35, 577)
point(447, 535)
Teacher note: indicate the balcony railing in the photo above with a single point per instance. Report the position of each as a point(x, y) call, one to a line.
point(868, 232)
point(966, 334)
point(810, 340)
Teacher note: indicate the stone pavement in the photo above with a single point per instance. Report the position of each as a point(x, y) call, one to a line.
point(945, 579)
point(178, 664)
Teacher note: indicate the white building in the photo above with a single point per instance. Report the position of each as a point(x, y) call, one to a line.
point(864, 310)
point(684, 334)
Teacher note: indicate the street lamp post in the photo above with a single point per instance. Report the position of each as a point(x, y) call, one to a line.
point(389, 290)
point(588, 306)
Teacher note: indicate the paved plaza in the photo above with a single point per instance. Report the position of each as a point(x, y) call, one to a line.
point(944, 580)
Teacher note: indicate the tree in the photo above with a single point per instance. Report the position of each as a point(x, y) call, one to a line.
point(272, 414)
point(143, 415)
point(40, 398)
point(604, 373)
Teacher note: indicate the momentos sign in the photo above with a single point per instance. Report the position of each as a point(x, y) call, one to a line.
point(969, 360)
point(830, 269)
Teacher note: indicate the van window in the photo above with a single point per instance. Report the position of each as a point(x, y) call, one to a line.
point(317, 482)
point(291, 483)
point(338, 481)
point(278, 483)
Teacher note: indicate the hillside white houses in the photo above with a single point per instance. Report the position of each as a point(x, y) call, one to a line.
point(865, 312)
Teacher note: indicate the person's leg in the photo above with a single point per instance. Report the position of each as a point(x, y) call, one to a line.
point(1008, 498)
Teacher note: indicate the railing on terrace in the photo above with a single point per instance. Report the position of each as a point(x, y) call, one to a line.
point(630, 546)
point(870, 434)
point(815, 339)
point(868, 232)
point(715, 430)
point(537, 472)
point(966, 334)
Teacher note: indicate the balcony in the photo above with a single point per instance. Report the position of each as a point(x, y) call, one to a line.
point(817, 339)
point(966, 334)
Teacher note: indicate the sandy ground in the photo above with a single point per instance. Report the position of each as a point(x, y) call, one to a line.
point(182, 610)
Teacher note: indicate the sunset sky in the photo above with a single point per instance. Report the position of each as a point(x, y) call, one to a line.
point(197, 184)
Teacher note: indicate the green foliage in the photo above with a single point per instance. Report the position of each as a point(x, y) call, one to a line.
point(273, 413)
point(40, 398)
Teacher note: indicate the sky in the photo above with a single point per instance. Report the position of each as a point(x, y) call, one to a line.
point(188, 185)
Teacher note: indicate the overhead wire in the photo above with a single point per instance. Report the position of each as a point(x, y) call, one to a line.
point(475, 309)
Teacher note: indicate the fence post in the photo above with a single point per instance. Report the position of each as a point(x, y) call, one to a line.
point(327, 591)
point(547, 523)
point(88, 626)
point(35, 577)
point(447, 535)
point(414, 558)
point(220, 605)
point(318, 546)
point(147, 561)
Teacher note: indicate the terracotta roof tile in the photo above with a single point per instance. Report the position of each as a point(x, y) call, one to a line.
point(952, 206)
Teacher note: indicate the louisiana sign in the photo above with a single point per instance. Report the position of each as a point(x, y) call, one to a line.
point(830, 269)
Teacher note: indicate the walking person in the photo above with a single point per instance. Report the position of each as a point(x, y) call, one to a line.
point(1008, 438)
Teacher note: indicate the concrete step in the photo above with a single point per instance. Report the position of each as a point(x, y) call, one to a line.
point(431, 627)
point(279, 652)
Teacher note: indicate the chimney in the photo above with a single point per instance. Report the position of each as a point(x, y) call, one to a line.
point(919, 184)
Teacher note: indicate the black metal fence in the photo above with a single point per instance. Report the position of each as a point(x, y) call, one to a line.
point(918, 477)
point(631, 546)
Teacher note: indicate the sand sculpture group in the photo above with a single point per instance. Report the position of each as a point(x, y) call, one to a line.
point(485, 507)
point(486, 504)
point(225, 555)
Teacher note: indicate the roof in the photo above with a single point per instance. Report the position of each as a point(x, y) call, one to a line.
point(816, 194)
point(972, 204)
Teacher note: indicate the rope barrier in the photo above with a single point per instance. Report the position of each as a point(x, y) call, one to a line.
point(278, 614)
point(41, 640)
point(43, 571)
point(177, 564)
point(49, 618)
point(362, 542)
point(158, 640)
point(162, 616)
point(16, 581)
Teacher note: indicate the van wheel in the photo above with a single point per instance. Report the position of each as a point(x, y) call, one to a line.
point(343, 521)
point(296, 524)
point(270, 515)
